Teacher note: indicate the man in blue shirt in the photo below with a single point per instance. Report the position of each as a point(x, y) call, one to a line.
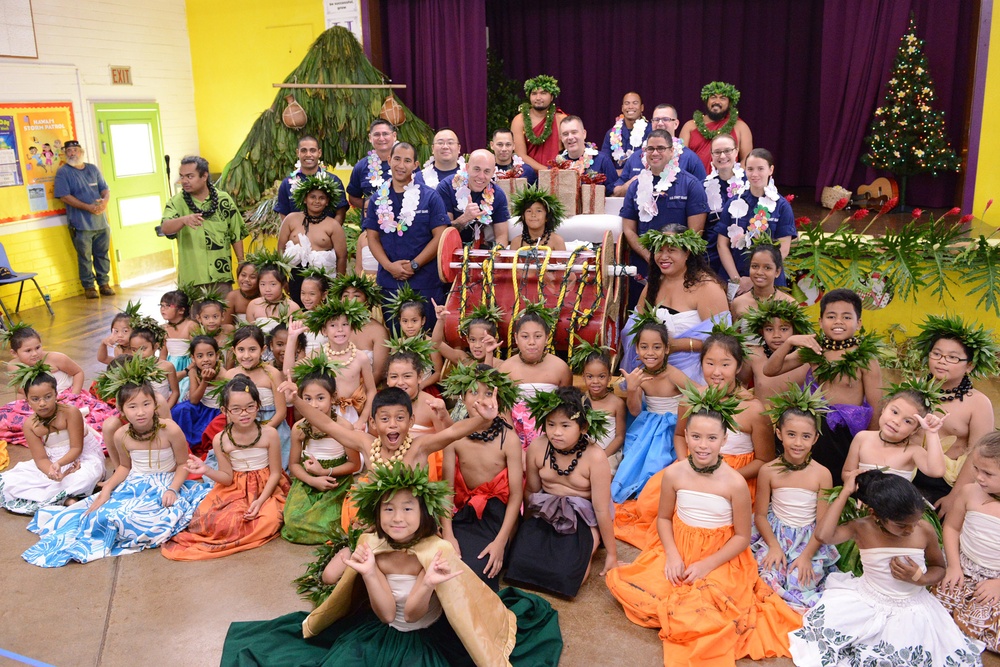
point(446, 159)
point(582, 156)
point(309, 154)
point(404, 222)
point(661, 195)
point(509, 163)
point(81, 187)
point(628, 133)
point(477, 208)
point(371, 170)
point(664, 118)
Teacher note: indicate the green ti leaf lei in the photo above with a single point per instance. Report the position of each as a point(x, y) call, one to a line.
point(806, 399)
point(926, 387)
point(824, 370)
point(529, 130)
point(699, 121)
point(713, 399)
point(467, 377)
point(385, 480)
point(310, 585)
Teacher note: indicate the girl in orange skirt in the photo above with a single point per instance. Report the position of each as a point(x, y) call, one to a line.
point(699, 582)
point(244, 509)
point(748, 446)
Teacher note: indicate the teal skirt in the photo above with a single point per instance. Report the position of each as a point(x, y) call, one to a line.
point(362, 639)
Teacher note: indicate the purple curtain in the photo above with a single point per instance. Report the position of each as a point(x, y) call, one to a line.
point(438, 49)
point(860, 39)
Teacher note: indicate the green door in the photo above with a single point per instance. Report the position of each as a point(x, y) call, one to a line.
point(131, 158)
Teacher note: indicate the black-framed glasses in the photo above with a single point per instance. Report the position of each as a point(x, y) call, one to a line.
point(664, 120)
point(723, 151)
point(657, 149)
point(950, 358)
point(249, 410)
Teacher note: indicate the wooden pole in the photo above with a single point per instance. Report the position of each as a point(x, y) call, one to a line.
point(338, 85)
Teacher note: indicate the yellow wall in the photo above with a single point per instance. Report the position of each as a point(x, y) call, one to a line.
point(238, 49)
point(988, 169)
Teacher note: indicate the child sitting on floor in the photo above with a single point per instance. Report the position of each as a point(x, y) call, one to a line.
point(408, 309)
point(237, 300)
point(593, 364)
point(175, 307)
point(371, 337)
point(116, 342)
point(772, 322)
point(108, 382)
point(202, 406)
point(146, 343)
point(210, 314)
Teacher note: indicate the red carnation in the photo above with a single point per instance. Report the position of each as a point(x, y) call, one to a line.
point(888, 206)
point(966, 219)
point(789, 198)
point(954, 211)
point(804, 220)
point(917, 212)
point(860, 214)
point(841, 203)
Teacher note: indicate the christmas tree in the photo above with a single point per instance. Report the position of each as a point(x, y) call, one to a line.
point(907, 135)
point(338, 117)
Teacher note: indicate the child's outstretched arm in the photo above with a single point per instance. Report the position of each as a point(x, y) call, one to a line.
point(930, 457)
point(295, 329)
point(481, 415)
point(345, 435)
point(827, 530)
point(784, 359)
point(223, 476)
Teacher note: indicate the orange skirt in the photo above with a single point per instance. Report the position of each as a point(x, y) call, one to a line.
point(218, 528)
point(731, 614)
point(635, 520)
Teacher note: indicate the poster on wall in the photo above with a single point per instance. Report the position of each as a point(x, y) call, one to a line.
point(36, 139)
point(345, 13)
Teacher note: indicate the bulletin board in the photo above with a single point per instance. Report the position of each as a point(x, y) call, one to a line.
point(31, 151)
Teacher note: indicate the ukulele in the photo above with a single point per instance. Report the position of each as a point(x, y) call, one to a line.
point(876, 194)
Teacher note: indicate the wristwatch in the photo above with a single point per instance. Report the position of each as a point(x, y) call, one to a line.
point(415, 265)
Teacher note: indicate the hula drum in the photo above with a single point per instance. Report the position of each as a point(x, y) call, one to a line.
point(583, 284)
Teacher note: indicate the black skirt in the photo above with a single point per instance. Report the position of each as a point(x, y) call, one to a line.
point(543, 559)
point(474, 534)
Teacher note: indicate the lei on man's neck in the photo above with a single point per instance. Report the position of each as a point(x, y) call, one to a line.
point(699, 122)
point(529, 130)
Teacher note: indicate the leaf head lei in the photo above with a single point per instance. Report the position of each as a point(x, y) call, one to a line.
point(404, 295)
point(689, 240)
point(318, 364)
point(585, 352)
point(137, 321)
point(544, 82)
point(646, 315)
point(7, 333)
point(804, 399)
point(385, 480)
point(357, 314)
point(869, 348)
point(135, 371)
point(264, 258)
point(489, 313)
point(319, 181)
point(360, 282)
point(975, 337)
point(727, 90)
point(468, 377)
point(926, 387)
point(723, 328)
point(320, 273)
point(712, 401)
point(764, 312)
point(548, 315)
point(419, 346)
point(544, 403)
point(522, 200)
point(23, 374)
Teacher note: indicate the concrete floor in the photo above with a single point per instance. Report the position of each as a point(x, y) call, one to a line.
point(144, 609)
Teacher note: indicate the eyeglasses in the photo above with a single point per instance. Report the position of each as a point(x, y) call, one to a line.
point(381, 135)
point(657, 149)
point(249, 410)
point(447, 142)
point(723, 151)
point(661, 119)
point(950, 358)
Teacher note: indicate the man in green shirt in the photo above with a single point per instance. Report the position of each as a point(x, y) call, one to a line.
point(208, 228)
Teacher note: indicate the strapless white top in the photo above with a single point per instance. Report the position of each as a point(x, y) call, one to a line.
point(529, 389)
point(314, 342)
point(610, 435)
point(266, 324)
point(57, 444)
point(162, 388)
point(246, 460)
point(178, 347)
point(147, 462)
point(908, 475)
point(794, 506)
point(63, 380)
point(368, 261)
point(324, 449)
point(703, 510)
point(879, 576)
point(401, 585)
point(980, 539)
point(661, 405)
point(678, 322)
point(737, 442)
point(266, 398)
point(209, 400)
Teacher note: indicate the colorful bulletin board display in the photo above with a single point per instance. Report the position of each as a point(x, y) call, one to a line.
point(30, 154)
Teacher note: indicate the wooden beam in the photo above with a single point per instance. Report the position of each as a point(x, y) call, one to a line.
point(339, 85)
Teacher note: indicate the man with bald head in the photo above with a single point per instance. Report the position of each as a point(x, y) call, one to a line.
point(446, 159)
point(477, 208)
point(583, 156)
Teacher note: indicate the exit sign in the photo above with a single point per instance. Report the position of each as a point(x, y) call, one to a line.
point(121, 76)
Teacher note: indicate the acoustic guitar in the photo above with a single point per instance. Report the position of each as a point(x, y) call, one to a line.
point(876, 194)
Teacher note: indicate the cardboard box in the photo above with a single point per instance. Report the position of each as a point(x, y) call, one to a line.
point(511, 185)
point(564, 184)
point(592, 198)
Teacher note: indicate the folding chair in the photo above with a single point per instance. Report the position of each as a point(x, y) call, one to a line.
point(15, 277)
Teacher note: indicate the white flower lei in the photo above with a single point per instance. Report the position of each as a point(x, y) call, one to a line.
point(386, 220)
point(713, 187)
point(646, 193)
point(375, 176)
point(635, 139)
point(431, 176)
point(738, 208)
point(460, 182)
point(516, 165)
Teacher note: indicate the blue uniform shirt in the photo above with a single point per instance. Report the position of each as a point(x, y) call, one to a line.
point(286, 204)
point(85, 184)
point(527, 171)
point(688, 161)
point(780, 222)
point(358, 185)
point(501, 212)
point(430, 213)
point(626, 143)
point(602, 165)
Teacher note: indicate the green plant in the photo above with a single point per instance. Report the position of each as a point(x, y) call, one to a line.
point(503, 95)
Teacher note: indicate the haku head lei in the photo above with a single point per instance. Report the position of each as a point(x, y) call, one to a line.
point(385, 480)
point(23, 374)
point(491, 314)
point(721, 88)
point(264, 258)
point(467, 377)
point(722, 328)
point(927, 388)
point(535, 195)
point(975, 337)
point(548, 315)
point(137, 321)
point(419, 346)
point(690, 240)
point(7, 333)
point(360, 282)
point(207, 294)
point(804, 399)
point(869, 348)
point(318, 364)
point(713, 401)
point(544, 403)
point(763, 238)
point(317, 272)
point(404, 295)
point(318, 181)
point(586, 352)
point(763, 313)
point(643, 316)
point(138, 370)
point(542, 81)
point(356, 313)
point(192, 292)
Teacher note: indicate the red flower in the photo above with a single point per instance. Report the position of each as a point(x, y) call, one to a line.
point(789, 198)
point(917, 212)
point(841, 203)
point(966, 219)
point(804, 220)
point(988, 204)
point(888, 206)
point(954, 211)
point(860, 214)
